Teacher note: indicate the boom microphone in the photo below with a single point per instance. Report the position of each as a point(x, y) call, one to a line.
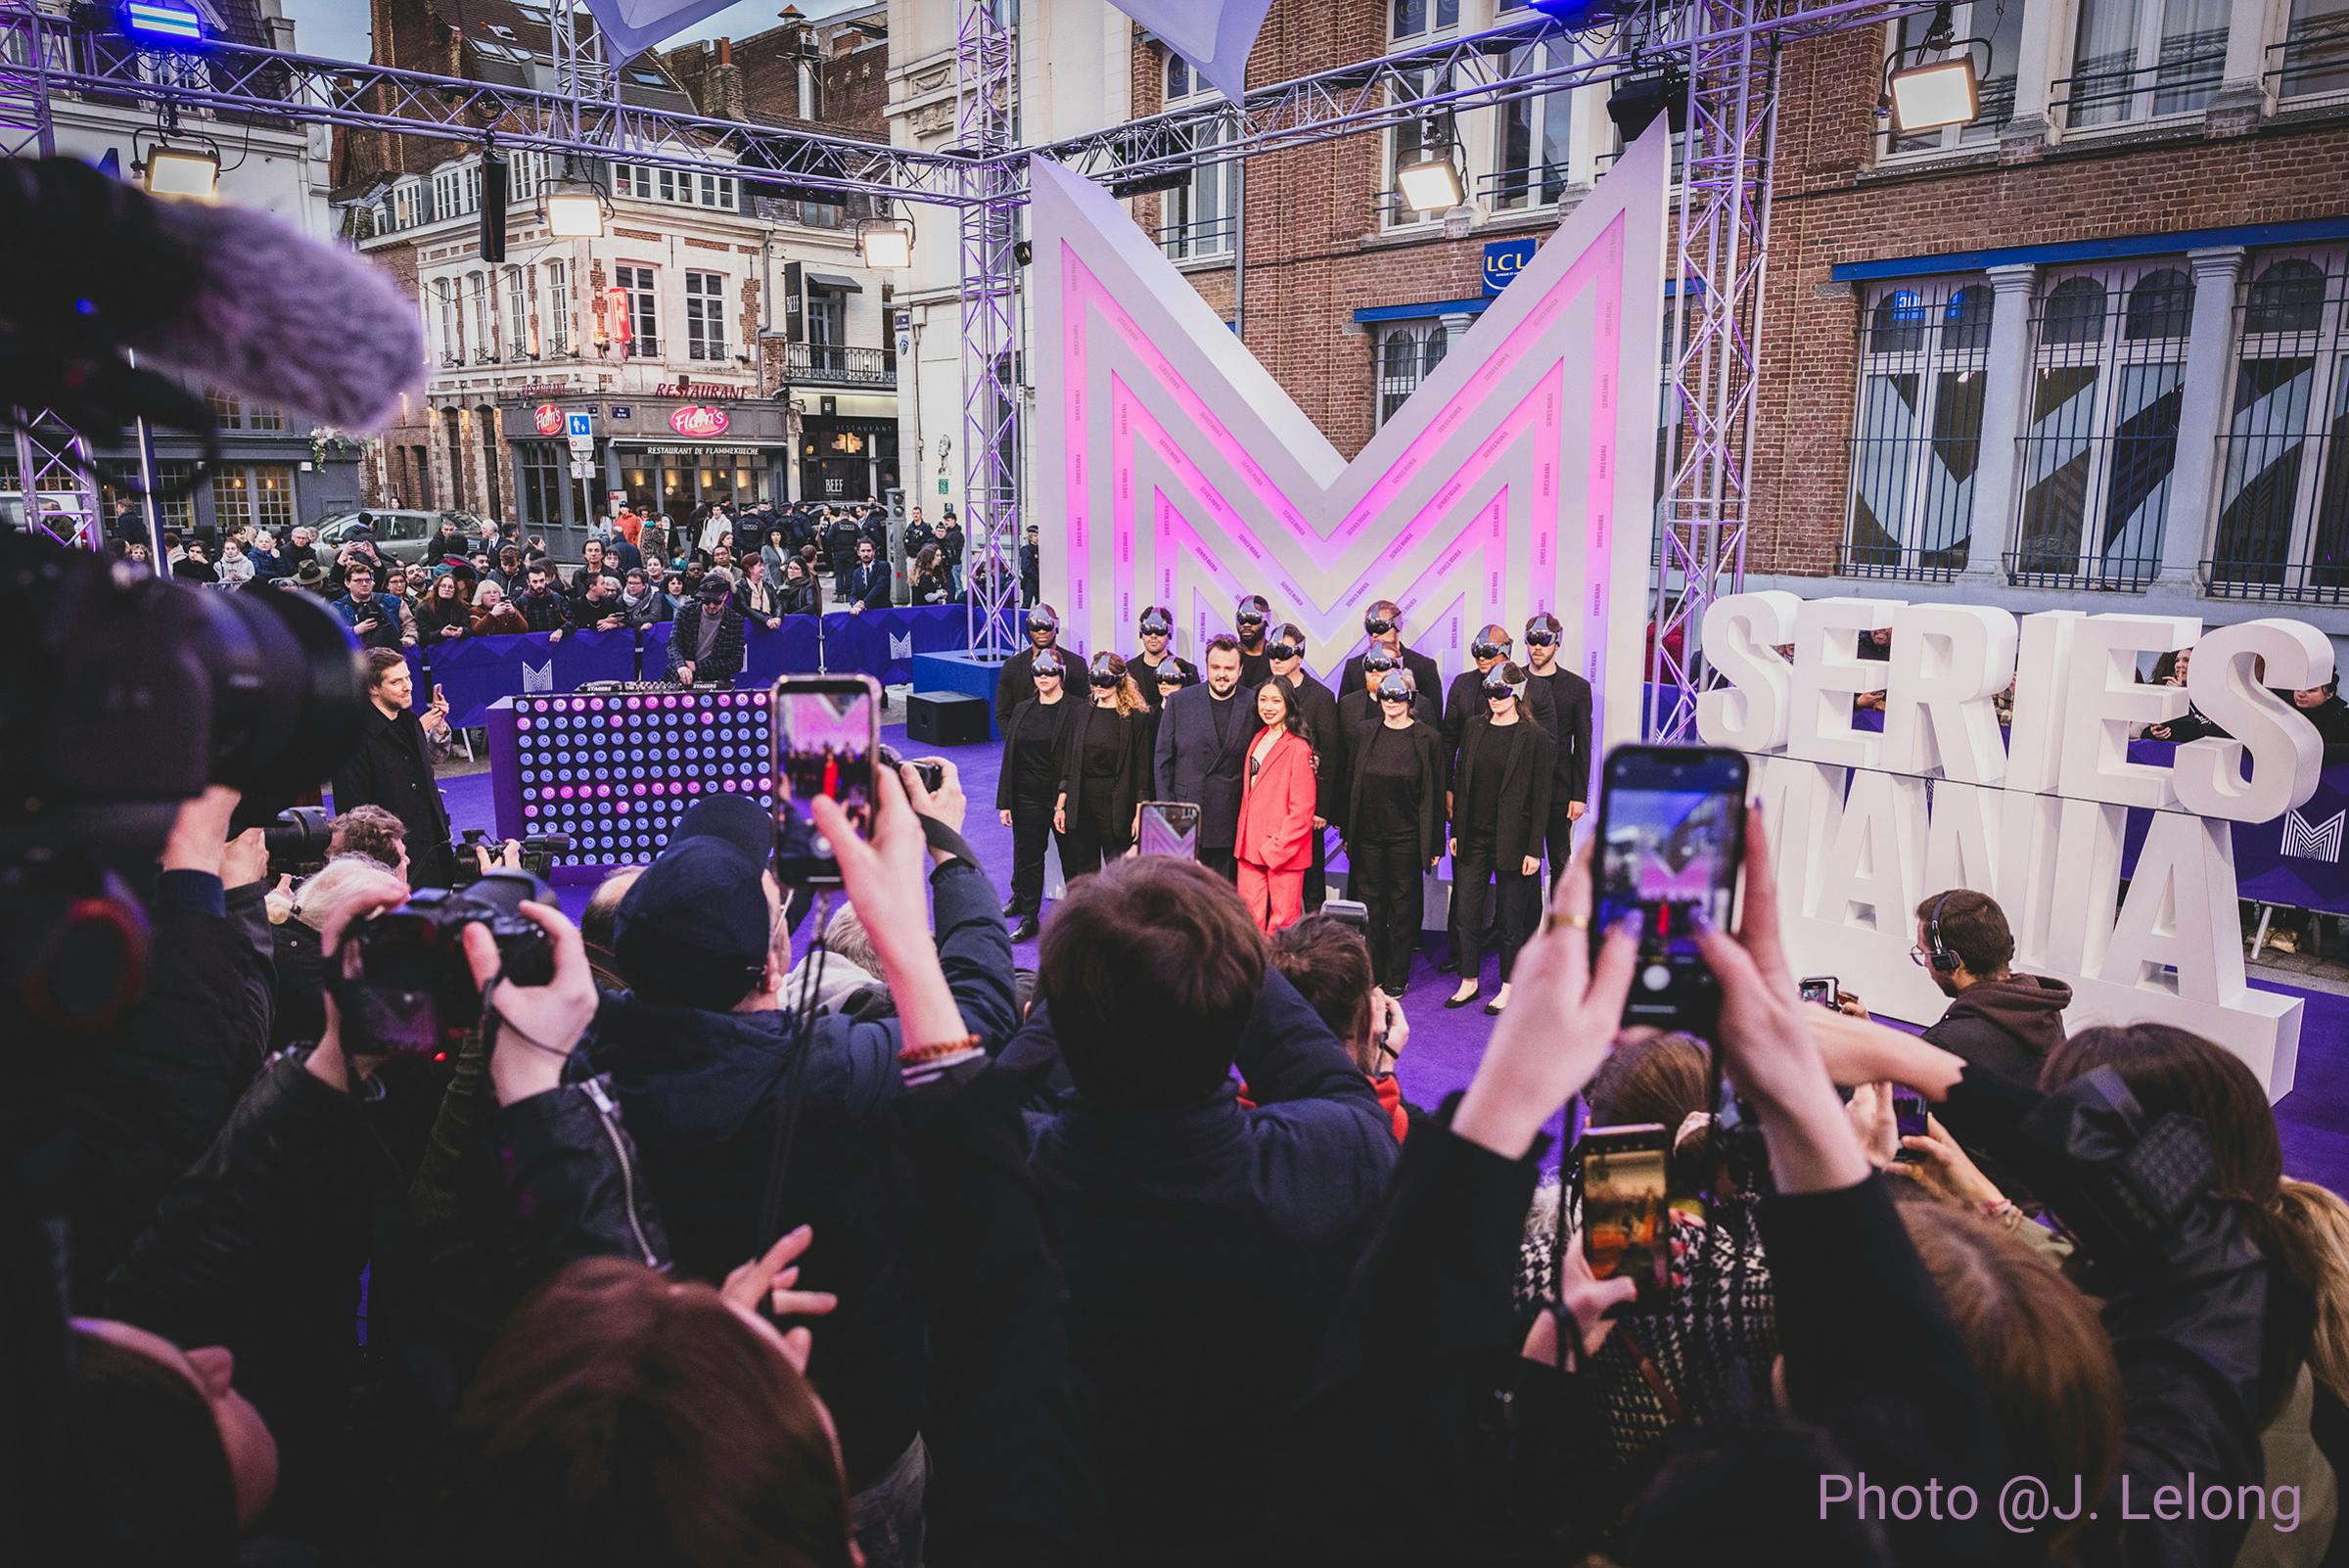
point(232, 295)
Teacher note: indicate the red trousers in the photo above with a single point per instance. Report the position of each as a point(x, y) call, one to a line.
point(1275, 899)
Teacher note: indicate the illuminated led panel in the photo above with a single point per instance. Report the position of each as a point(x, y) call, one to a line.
point(616, 771)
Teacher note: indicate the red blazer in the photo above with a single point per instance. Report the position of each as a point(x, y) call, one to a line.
point(1276, 807)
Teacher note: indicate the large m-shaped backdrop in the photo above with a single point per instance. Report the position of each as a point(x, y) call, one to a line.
point(1172, 470)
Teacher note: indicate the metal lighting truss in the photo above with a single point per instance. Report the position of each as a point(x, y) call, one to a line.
point(1722, 243)
point(1728, 49)
point(986, 76)
point(56, 493)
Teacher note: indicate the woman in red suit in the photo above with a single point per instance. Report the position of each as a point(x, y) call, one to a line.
point(1276, 812)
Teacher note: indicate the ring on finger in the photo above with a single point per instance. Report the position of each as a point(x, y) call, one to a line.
point(1565, 917)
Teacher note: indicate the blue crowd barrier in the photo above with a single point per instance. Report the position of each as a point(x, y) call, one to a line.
point(478, 672)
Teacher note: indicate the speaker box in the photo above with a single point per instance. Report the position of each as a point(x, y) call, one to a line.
point(945, 718)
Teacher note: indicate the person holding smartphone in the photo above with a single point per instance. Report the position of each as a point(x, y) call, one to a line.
point(1028, 787)
point(1276, 810)
point(1394, 826)
point(1102, 771)
point(1500, 790)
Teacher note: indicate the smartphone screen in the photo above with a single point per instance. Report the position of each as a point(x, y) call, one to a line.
point(827, 737)
point(1819, 989)
point(1909, 1113)
point(1169, 827)
point(1672, 838)
point(1625, 1206)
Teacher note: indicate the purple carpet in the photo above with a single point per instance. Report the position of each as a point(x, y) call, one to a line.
point(1446, 1044)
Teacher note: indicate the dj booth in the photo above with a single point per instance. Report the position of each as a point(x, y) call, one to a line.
point(613, 769)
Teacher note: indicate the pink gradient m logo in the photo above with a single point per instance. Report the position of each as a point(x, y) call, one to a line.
point(1172, 470)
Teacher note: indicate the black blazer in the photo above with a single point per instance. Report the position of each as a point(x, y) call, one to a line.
point(870, 585)
point(1355, 712)
point(1462, 701)
point(392, 766)
point(1560, 703)
point(1015, 682)
point(1524, 782)
point(725, 653)
point(1319, 709)
point(1188, 762)
point(1430, 747)
point(1005, 777)
point(1134, 764)
point(1423, 670)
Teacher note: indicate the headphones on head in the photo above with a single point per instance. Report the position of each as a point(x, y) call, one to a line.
point(1937, 957)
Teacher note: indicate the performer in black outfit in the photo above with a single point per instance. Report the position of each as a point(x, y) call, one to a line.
point(1358, 705)
point(1466, 698)
point(1559, 701)
point(1394, 826)
point(1014, 684)
point(1249, 620)
point(1102, 769)
point(1318, 707)
point(1028, 786)
point(1382, 623)
point(1158, 651)
point(1500, 793)
point(1171, 678)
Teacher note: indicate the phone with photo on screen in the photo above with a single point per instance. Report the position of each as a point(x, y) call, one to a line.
point(827, 741)
point(1627, 1205)
point(1169, 827)
point(1671, 842)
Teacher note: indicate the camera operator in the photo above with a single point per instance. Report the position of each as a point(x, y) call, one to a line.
point(393, 767)
point(320, 902)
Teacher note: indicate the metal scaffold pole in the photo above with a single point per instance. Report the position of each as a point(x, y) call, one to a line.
point(989, 230)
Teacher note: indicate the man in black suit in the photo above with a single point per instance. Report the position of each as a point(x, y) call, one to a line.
point(1203, 741)
point(1015, 683)
point(1560, 701)
point(705, 641)
point(392, 766)
point(1490, 646)
point(1158, 631)
point(1284, 646)
point(868, 581)
point(1382, 623)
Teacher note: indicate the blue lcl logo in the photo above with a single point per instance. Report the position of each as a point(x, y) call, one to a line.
point(1504, 259)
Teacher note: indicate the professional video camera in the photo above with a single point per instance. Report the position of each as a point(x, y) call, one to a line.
point(539, 851)
point(122, 694)
point(298, 836)
point(400, 978)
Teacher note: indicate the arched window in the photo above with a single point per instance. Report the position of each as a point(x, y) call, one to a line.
point(2074, 312)
point(2286, 296)
point(2161, 304)
point(1918, 433)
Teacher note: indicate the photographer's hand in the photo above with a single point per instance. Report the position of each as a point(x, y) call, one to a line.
point(1560, 1026)
point(769, 1282)
point(1766, 1041)
point(245, 859)
point(374, 891)
point(199, 836)
point(948, 804)
point(1591, 1299)
point(540, 1026)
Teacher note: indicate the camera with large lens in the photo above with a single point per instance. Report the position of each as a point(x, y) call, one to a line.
point(298, 836)
point(400, 979)
point(122, 694)
point(539, 851)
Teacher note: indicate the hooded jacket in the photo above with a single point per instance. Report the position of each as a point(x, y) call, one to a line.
point(705, 1097)
point(2006, 1027)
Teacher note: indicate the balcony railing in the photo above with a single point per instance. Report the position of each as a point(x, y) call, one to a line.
point(2293, 582)
point(827, 365)
point(2180, 82)
point(1202, 238)
point(2312, 60)
point(2053, 569)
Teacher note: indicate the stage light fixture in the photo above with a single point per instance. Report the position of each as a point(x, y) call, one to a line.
point(885, 245)
point(573, 208)
point(185, 171)
point(1429, 181)
point(1923, 93)
point(146, 23)
point(1635, 105)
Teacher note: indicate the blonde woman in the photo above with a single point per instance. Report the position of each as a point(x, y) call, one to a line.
point(1104, 766)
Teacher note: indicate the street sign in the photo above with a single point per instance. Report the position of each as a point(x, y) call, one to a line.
point(581, 446)
point(941, 487)
point(581, 423)
point(582, 471)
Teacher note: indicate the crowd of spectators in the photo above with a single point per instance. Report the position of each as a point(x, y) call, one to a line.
point(731, 1244)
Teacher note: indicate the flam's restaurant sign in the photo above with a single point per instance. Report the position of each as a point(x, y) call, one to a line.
point(699, 421)
point(707, 391)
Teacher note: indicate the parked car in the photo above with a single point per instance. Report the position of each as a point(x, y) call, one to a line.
point(399, 534)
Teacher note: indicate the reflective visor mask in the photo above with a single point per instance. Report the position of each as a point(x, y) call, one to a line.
point(1152, 626)
point(1285, 642)
point(1487, 648)
point(1377, 626)
point(1540, 637)
point(1103, 678)
point(1395, 688)
point(1042, 619)
point(1497, 684)
point(1378, 661)
point(1046, 665)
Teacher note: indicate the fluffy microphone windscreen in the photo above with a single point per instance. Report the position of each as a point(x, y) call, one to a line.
point(286, 319)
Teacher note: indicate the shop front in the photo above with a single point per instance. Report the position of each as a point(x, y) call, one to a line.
point(846, 457)
point(659, 455)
